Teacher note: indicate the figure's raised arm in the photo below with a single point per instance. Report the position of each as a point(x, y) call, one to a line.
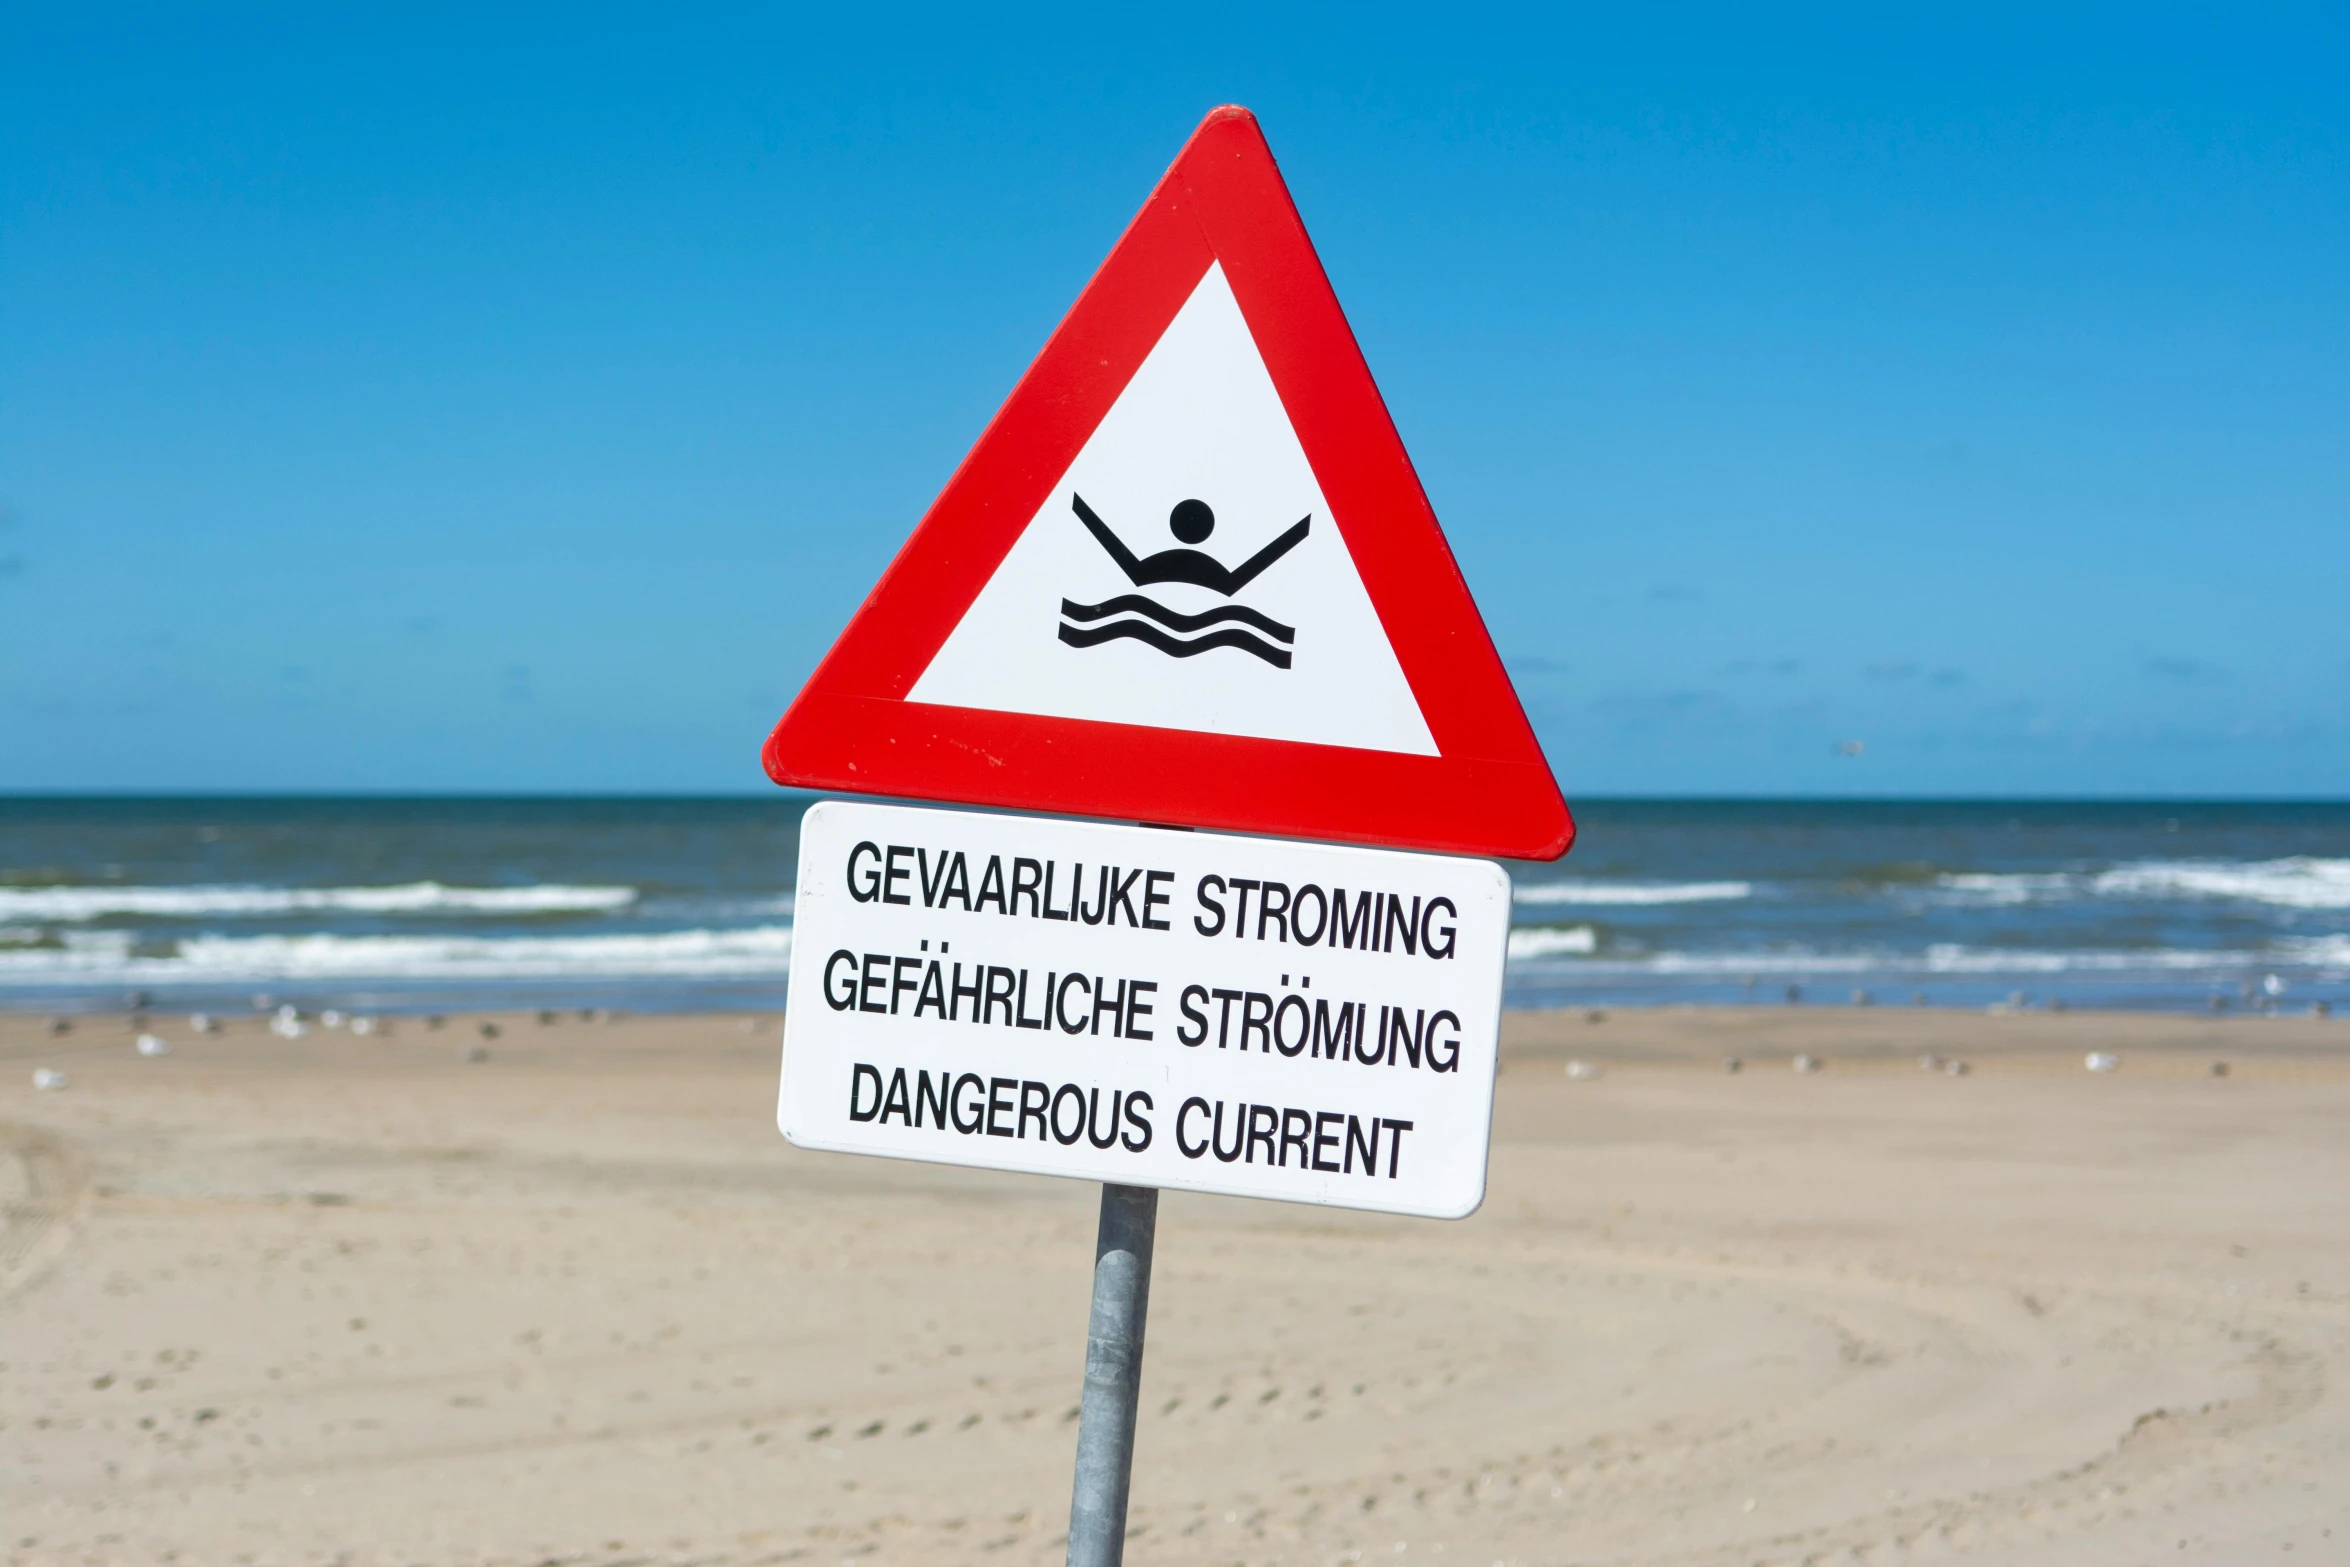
point(1109, 541)
point(1249, 569)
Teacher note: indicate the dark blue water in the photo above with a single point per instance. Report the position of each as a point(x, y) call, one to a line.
point(669, 904)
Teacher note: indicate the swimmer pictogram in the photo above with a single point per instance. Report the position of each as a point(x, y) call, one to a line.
point(1132, 616)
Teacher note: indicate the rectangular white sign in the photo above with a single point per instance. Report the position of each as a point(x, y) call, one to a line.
point(1154, 1008)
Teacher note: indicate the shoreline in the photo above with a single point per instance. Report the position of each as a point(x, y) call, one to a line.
point(1652, 1036)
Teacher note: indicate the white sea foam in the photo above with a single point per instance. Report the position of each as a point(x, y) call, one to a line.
point(1954, 959)
point(1624, 894)
point(2332, 952)
point(1545, 942)
point(759, 952)
point(1987, 887)
point(419, 897)
point(2301, 882)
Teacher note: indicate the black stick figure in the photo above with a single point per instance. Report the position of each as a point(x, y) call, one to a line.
point(1192, 522)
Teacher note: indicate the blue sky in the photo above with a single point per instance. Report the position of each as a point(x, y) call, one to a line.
point(440, 402)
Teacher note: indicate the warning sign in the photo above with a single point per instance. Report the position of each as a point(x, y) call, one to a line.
point(1188, 574)
point(1145, 1007)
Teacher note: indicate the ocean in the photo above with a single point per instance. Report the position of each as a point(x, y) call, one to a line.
point(410, 905)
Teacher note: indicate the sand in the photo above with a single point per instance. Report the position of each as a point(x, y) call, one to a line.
point(359, 1300)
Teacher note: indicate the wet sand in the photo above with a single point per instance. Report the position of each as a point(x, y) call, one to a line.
point(360, 1300)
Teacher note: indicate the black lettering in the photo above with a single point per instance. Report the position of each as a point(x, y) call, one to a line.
point(1256, 1019)
point(1028, 880)
point(932, 880)
point(936, 1104)
point(1193, 1014)
point(1224, 1019)
point(1122, 897)
point(1104, 1001)
point(859, 1075)
point(1428, 936)
point(868, 888)
point(1333, 1043)
point(1270, 912)
point(1297, 914)
point(898, 983)
point(1263, 1122)
point(1351, 932)
point(1305, 1025)
point(1409, 1037)
point(934, 992)
point(1408, 924)
point(1153, 898)
point(871, 984)
point(1367, 1146)
point(991, 887)
point(1061, 1003)
point(958, 885)
point(1070, 1093)
point(1182, 1117)
point(1020, 1016)
point(1296, 1126)
point(998, 1106)
point(1326, 1140)
point(840, 1000)
point(999, 992)
point(1240, 908)
point(1093, 1118)
point(898, 1103)
point(956, 992)
point(895, 873)
point(1201, 925)
point(1034, 1097)
point(956, 1104)
point(1050, 912)
point(1239, 1130)
point(1395, 1129)
point(1450, 1061)
point(1136, 1007)
point(1136, 1103)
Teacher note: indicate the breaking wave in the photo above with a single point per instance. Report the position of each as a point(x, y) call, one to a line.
point(2325, 952)
point(77, 904)
point(109, 957)
point(1549, 941)
point(1624, 894)
point(2300, 882)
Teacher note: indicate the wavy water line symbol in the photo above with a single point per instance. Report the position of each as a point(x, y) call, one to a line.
point(1171, 631)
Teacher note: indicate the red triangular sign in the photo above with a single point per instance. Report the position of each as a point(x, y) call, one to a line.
point(1188, 574)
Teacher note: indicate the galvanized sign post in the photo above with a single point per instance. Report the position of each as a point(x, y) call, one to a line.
point(1113, 1375)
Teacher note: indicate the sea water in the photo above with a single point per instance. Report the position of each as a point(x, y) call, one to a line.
point(670, 904)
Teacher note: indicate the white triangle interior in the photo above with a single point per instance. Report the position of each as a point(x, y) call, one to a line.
point(1200, 421)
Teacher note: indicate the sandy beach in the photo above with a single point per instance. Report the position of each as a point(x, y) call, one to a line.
point(364, 1300)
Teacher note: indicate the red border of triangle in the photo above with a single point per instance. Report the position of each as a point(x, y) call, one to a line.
point(1489, 791)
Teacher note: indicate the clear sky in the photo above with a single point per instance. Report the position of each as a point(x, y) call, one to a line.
point(439, 402)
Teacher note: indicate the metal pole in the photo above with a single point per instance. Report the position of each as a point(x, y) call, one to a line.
point(1113, 1375)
